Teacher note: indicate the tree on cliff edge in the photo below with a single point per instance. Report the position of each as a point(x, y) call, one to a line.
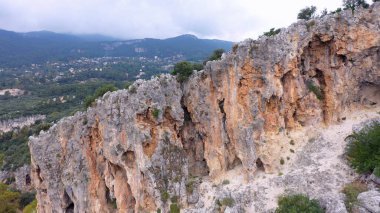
point(353, 4)
point(307, 13)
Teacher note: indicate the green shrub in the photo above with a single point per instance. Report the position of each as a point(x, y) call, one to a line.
point(155, 113)
point(198, 67)
point(353, 4)
point(164, 196)
point(338, 10)
point(89, 100)
point(352, 191)
point(190, 185)
point(26, 198)
point(272, 32)
point(216, 55)
point(9, 200)
point(1, 159)
point(31, 207)
point(298, 204)
point(174, 208)
point(227, 201)
point(127, 85)
point(307, 13)
point(183, 70)
point(282, 161)
point(376, 171)
point(14, 150)
point(132, 89)
point(104, 89)
point(174, 199)
point(292, 142)
point(114, 203)
point(315, 89)
point(363, 150)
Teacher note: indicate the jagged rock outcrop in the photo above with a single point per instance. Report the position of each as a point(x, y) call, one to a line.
point(19, 179)
point(142, 149)
point(12, 124)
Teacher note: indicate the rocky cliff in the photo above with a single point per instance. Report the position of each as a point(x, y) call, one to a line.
point(153, 145)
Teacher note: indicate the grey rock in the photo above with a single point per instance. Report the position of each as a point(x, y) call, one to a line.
point(370, 201)
point(375, 179)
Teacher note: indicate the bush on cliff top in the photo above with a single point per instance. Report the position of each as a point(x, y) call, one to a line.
point(184, 69)
point(89, 100)
point(298, 204)
point(363, 150)
point(307, 13)
point(216, 55)
point(272, 32)
point(353, 4)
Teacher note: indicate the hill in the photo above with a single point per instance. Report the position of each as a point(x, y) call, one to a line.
point(17, 49)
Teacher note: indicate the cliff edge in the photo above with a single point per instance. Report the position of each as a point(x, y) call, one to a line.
point(153, 145)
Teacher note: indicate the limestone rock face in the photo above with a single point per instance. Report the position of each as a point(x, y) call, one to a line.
point(145, 148)
point(121, 154)
point(263, 86)
point(370, 201)
point(22, 179)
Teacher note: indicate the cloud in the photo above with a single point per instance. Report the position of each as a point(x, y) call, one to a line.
point(223, 19)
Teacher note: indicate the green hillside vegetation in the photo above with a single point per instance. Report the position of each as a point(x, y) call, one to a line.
point(298, 204)
point(184, 69)
point(12, 201)
point(14, 146)
point(89, 100)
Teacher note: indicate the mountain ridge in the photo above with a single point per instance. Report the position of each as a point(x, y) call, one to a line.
point(19, 49)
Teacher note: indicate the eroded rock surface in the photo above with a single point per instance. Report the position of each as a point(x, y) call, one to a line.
point(160, 142)
point(370, 201)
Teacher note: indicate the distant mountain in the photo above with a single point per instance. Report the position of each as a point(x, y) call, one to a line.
point(17, 49)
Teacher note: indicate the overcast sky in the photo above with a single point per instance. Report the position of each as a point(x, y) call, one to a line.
point(222, 19)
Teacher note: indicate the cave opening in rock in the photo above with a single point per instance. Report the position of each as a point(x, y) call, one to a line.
point(110, 200)
point(236, 162)
point(70, 208)
point(38, 171)
point(186, 114)
point(68, 203)
point(320, 76)
point(260, 165)
point(221, 108)
point(343, 58)
point(27, 180)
